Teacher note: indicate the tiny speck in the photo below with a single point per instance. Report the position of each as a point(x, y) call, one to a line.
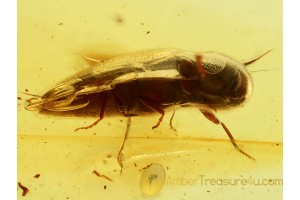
point(26, 90)
point(108, 156)
point(52, 36)
point(60, 24)
point(19, 98)
point(142, 24)
point(148, 32)
point(118, 19)
point(37, 176)
point(105, 187)
point(207, 191)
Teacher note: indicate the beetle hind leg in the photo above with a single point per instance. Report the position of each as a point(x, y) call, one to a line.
point(209, 115)
point(156, 108)
point(101, 116)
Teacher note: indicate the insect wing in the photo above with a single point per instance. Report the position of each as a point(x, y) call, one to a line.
point(164, 64)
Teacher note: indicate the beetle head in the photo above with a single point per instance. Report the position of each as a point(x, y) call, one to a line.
point(223, 79)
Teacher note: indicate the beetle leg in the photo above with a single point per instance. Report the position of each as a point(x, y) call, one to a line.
point(171, 120)
point(155, 108)
point(209, 115)
point(120, 154)
point(103, 106)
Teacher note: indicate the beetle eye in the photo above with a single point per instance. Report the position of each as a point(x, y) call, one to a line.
point(219, 83)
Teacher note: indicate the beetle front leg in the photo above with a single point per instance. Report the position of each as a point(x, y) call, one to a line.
point(101, 116)
point(209, 115)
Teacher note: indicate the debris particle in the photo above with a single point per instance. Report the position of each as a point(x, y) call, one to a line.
point(105, 187)
point(19, 98)
point(148, 32)
point(108, 156)
point(25, 189)
point(37, 176)
point(26, 90)
point(142, 24)
point(60, 24)
point(52, 36)
point(101, 175)
point(118, 19)
point(145, 167)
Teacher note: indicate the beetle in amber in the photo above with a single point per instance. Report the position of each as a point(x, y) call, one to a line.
point(156, 79)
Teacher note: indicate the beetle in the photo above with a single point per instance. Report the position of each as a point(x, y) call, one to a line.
point(156, 79)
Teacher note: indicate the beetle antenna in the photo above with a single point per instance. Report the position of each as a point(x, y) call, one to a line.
point(264, 70)
point(252, 60)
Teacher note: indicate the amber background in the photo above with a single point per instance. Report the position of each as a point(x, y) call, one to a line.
point(49, 34)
